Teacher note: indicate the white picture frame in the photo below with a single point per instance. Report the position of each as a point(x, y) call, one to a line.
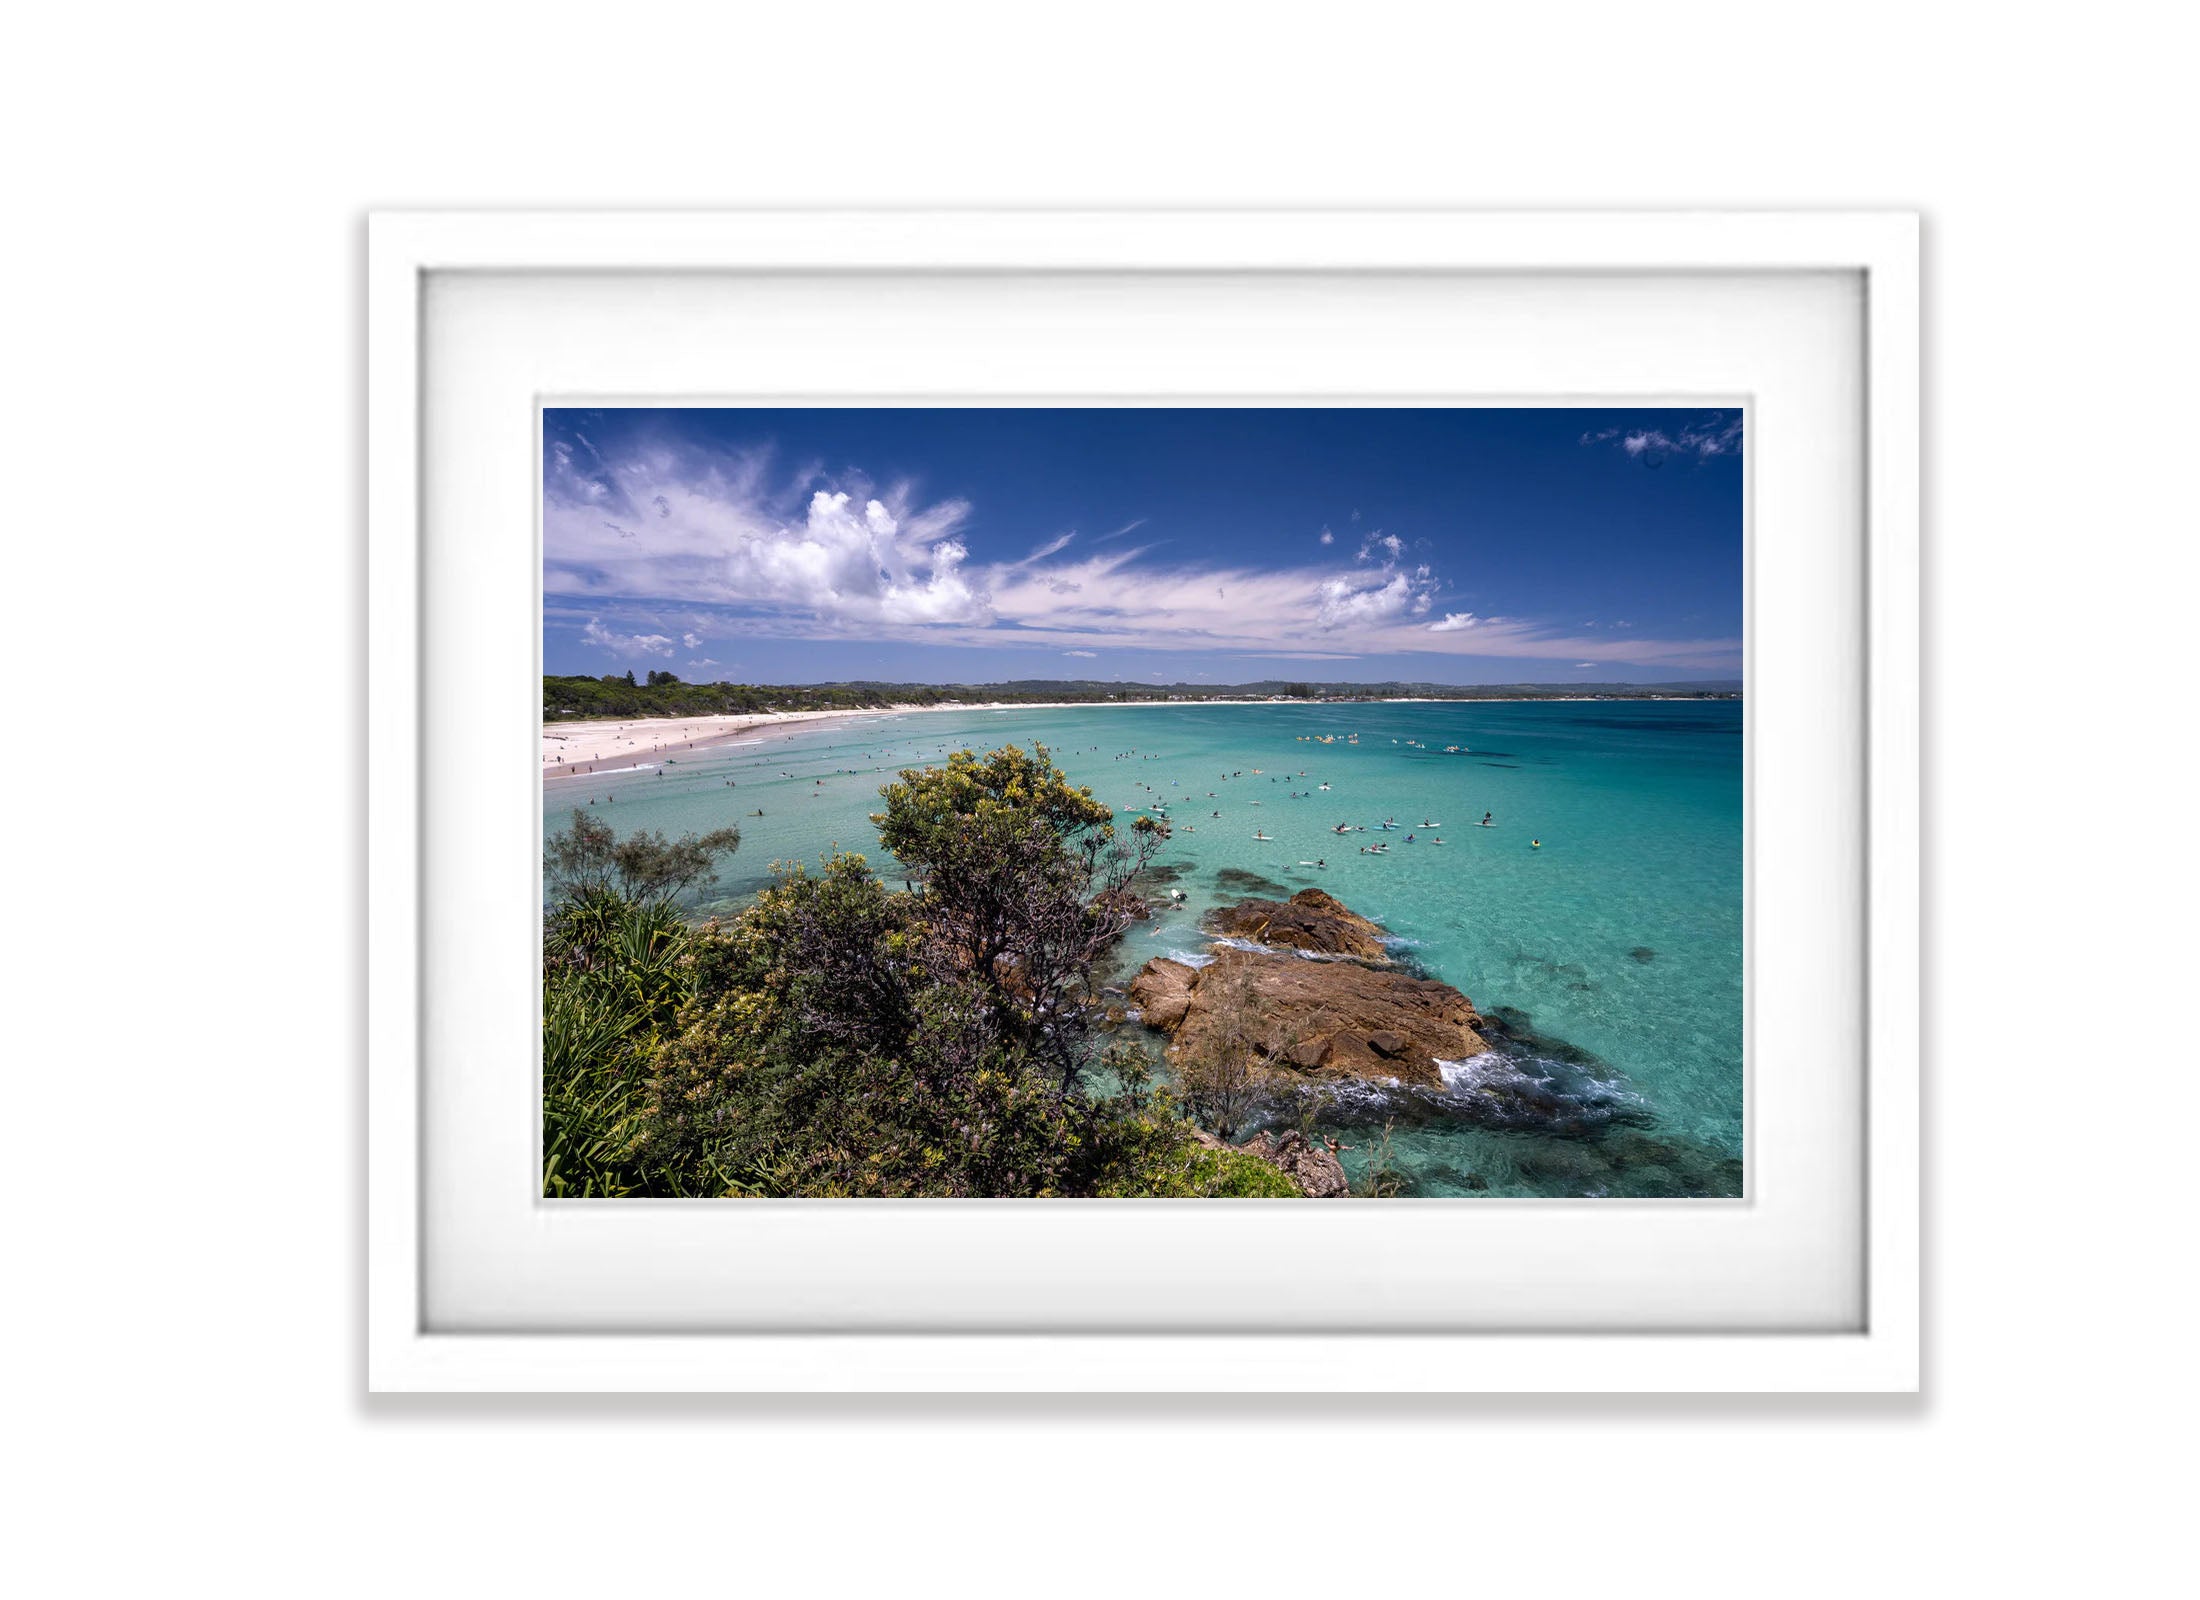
point(406, 1351)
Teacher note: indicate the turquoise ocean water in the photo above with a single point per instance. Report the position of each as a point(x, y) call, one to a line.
point(1612, 954)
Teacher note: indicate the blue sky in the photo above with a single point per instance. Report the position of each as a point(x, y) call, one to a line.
point(952, 545)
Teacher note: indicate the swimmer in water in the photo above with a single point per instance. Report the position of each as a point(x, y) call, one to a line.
point(1535, 844)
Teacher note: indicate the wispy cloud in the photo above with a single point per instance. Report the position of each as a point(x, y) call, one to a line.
point(1716, 433)
point(669, 541)
point(1051, 547)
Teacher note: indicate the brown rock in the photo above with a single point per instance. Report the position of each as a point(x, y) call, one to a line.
point(1309, 920)
point(1162, 991)
point(1324, 1019)
point(1353, 1017)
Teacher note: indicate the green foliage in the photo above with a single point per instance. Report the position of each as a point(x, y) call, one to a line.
point(614, 977)
point(932, 812)
point(1024, 888)
point(588, 860)
point(1194, 1173)
point(841, 1038)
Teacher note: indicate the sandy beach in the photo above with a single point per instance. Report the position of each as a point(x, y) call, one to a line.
point(576, 749)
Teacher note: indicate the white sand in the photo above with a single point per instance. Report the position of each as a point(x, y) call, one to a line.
point(573, 749)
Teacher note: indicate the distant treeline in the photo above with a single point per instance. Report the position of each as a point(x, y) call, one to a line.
point(662, 694)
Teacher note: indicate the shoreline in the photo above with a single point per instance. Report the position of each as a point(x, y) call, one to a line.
point(600, 744)
point(604, 741)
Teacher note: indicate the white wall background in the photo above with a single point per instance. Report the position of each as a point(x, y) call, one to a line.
point(183, 439)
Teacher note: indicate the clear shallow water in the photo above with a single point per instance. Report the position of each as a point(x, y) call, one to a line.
point(1613, 953)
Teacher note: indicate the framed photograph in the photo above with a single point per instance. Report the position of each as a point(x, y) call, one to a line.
point(1268, 801)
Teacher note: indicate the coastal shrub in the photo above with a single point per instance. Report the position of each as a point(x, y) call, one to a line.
point(614, 978)
point(1023, 885)
point(588, 860)
point(843, 1038)
point(615, 974)
point(832, 1048)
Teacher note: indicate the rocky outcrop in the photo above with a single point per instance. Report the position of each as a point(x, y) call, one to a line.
point(1317, 1019)
point(1162, 991)
point(1309, 920)
point(1354, 1017)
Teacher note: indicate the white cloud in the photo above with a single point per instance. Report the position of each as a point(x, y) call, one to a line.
point(945, 596)
point(784, 551)
point(1342, 605)
point(715, 531)
point(1327, 537)
point(625, 644)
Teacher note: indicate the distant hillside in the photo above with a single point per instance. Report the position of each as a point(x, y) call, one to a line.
point(662, 694)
